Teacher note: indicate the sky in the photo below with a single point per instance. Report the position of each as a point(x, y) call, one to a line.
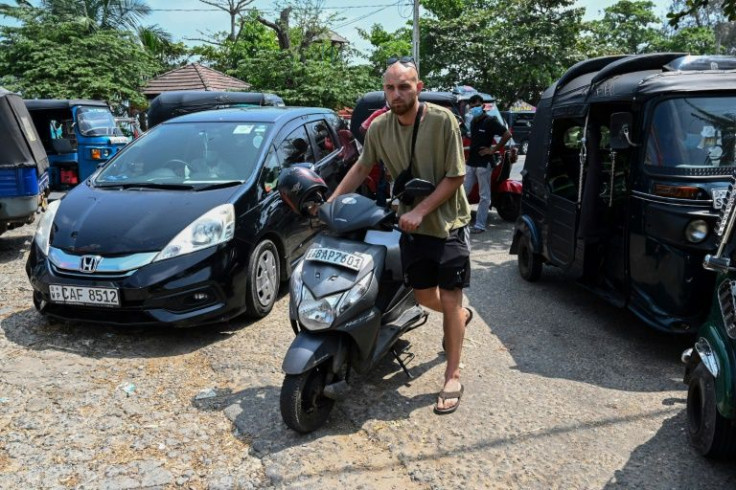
point(392, 14)
point(190, 19)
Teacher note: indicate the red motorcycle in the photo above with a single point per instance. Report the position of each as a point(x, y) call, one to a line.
point(505, 192)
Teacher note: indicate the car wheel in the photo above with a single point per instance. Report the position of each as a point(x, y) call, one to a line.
point(524, 147)
point(264, 278)
point(530, 263)
point(509, 206)
point(711, 434)
point(304, 406)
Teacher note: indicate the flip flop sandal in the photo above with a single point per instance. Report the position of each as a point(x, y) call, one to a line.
point(470, 317)
point(446, 395)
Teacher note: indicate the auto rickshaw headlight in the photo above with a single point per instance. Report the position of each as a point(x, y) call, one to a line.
point(100, 153)
point(696, 231)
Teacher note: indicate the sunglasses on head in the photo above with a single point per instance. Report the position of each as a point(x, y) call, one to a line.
point(404, 60)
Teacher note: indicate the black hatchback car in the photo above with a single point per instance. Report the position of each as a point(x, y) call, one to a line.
point(185, 226)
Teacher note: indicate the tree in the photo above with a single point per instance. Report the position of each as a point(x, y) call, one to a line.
point(626, 27)
point(386, 44)
point(688, 8)
point(234, 8)
point(102, 14)
point(48, 57)
point(510, 48)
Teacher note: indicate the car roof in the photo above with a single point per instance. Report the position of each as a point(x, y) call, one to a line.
point(267, 114)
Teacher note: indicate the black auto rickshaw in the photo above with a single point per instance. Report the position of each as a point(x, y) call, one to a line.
point(629, 161)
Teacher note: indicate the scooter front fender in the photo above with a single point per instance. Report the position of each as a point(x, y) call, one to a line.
point(308, 350)
point(509, 186)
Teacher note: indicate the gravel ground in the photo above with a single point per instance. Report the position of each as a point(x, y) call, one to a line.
point(561, 391)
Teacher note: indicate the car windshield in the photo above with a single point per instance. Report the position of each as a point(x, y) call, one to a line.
point(190, 155)
point(691, 132)
point(97, 121)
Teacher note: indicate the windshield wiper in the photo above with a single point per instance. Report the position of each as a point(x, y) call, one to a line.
point(148, 185)
point(219, 185)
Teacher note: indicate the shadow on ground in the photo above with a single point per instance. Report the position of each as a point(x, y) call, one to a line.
point(31, 330)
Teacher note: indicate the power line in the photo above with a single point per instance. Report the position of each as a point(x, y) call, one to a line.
point(342, 7)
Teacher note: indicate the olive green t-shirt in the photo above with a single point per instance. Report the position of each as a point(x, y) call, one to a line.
point(438, 154)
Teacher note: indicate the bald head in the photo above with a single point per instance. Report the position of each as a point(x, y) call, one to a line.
point(401, 86)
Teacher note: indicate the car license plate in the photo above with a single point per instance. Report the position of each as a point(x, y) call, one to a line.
point(79, 295)
point(336, 257)
point(719, 198)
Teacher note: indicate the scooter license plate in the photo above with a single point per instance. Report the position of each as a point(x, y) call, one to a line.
point(336, 257)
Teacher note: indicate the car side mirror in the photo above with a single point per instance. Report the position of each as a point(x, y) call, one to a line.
point(621, 124)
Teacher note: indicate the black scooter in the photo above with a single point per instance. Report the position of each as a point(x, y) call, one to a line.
point(348, 306)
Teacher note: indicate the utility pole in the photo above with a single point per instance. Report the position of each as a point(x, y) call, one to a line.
point(415, 35)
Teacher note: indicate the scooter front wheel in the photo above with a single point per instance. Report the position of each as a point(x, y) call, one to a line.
point(304, 406)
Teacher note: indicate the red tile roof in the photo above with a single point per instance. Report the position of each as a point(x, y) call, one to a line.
point(193, 77)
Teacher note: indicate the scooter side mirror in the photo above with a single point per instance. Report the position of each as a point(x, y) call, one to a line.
point(418, 188)
point(621, 124)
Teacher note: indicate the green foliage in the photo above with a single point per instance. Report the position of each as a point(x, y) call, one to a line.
point(50, 58)
point(626, 27)
point(691, 8)
point(512, 49)
point(387, 44)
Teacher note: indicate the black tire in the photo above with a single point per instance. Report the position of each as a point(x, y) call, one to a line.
point(264, 279)
point(711, 434)
point(524, 147)
point(530, 263)
point(508, 206)
point(304, 407)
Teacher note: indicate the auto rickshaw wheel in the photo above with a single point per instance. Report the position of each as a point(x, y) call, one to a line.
point(711, 434)
point(530, 263)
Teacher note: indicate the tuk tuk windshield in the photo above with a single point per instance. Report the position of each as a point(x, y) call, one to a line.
point(189, 154)
point(97, 121)
point(691, 132)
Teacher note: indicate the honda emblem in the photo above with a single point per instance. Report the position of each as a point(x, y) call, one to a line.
point(89, 263)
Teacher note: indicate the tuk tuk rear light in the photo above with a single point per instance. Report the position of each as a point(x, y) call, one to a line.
point(696, 231)
point(677, 191)
point(68, 176)
point(100, 153)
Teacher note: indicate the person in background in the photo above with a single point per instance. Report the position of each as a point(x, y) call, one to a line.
point(382, 185)
point(436, 257)
point(482, 158)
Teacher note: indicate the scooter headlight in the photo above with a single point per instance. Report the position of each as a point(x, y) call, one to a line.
point(320, 314)
point(355, 293)
point(296, 282)
point(317, 314)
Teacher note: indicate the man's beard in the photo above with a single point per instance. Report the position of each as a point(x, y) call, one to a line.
point(402, 108)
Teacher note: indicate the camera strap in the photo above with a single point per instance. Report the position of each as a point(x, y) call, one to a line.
point(414, 135)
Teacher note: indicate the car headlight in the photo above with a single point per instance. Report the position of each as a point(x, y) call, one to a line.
point(212, 228)
point(696, 231)
point(320, 314)
point(43, 232)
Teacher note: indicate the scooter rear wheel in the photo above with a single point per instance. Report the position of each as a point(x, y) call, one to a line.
point(711, 434)
point(508, 206)
point(304, 406)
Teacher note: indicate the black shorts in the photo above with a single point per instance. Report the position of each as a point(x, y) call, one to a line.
point(430, 261)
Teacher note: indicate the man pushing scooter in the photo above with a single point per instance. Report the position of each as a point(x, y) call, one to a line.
point(423, 141)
